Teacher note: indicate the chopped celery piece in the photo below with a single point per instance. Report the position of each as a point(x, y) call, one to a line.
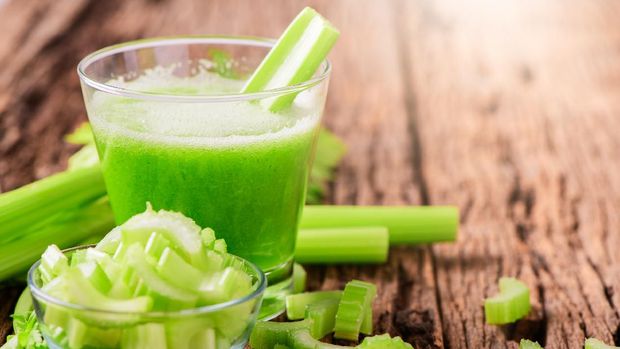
point(366, 327)
point(53, 262)
point(384, 341)
point(342, 245)
point(299, 278)
point(175, 227)
point(294, 58)
point(323, 317)
point(296, 304)
point(528, 344)
point(156, 245)
point(152, 336)
point(227, 284)
point(267, 334)
point(167, 296)
point(96, 276)
point(511, 304)
point(593, 343)
point(109, 243)
point(302, 339)
point(111, 268)
point(208, 238)
point(356, 299)
point(219, 245)
point(406, 224)
point(177, 271)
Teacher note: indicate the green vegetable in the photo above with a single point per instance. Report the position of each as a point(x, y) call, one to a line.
point(299, 278)
point(384, 341)
point(342, 245)
point(267, 334)
point(302, 339)
point(593, 343)
point(528, 344)
point(512, 302)
point(296, 304)
point(323, 317)
point(294, 58)
point(406, 224)
point(27, 334)
point(356, 301)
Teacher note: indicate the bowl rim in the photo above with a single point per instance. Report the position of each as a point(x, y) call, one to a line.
point(186, 40)
point(39, 295)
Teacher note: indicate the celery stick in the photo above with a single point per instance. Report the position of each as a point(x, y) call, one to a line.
point(18, 255)
point(295, 57)
point(511, 304)
point(296, 304)
point(342, 245)
point(593, 343)
point(34, 202)
point(267, 334)
point(96, 276)
point(177, 271)
point(367, 325)
point(152, 336)
point(302, 339)
point(323, 317)
point(384, 341)
point(406, 224)
point(53, 262)
point(528, 344)
point(299, 278)
point(356, 299)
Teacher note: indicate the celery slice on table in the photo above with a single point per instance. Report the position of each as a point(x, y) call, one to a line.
point(384, 341)
point(593, 343)
point(267, 334)
point(302, 339)
point(356, 299)
point(294, 58)
point(366, 327)
point(343, 245)
point(406, 224)
point(296, 304)
point(299, 278)
point(37, 201)
point(323, 317)
point(511, 304)
point(528, 344)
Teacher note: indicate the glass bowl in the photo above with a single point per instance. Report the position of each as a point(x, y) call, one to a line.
point(224, 325)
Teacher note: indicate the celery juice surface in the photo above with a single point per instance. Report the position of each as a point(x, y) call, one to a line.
point(234, 166)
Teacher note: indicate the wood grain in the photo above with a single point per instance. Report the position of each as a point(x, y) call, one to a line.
point(508, 109)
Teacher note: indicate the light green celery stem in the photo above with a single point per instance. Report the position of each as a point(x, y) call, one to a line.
point(294, 58)
point(528, 344)
point(342, 245)
point(300, 277)
point(593, 343)
point(406, 224)
point(18, 255)
point(31, 203)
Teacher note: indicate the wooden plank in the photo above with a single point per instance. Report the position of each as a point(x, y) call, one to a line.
point(366, 107)
point(517, 111)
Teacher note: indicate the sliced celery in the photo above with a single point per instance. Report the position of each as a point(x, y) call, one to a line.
point(224, 285)
point(366, 327)
point(342, 245)
point(511, 304)
point(528, 344)
point(356, 299)
point(593, 343)
point(296, 304)
point(96, 276)
point(302, 339)
point(384, 341)
point(53, 262)
point(267, 334)
point(323, 317)
point(220, 246)
point(156, 245)
point(177, 271)
point(208, 238)
point(152, 336)
point(299, 278)
point(406, 224)
point(294, 58)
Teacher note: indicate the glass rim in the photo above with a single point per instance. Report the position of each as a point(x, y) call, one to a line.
point(37, 292)
point(191, 39)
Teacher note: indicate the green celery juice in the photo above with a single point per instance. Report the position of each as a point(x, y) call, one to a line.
point(234, 167)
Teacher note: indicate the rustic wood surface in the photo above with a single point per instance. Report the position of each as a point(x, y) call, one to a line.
point(509, 109)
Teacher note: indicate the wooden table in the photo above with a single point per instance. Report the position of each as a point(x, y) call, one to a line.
point(508, 109)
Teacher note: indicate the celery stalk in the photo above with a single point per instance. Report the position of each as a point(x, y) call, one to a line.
point(342, 245)
point(528, 344)
point(294, 58)
point(593, 343)
point(323, 317)
point(41, 199)
point(511, 304)
point(296, 304)
point(357, 298)
point(384, 341)
point(299, 278)
point(267, 334)
point(406, 224)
